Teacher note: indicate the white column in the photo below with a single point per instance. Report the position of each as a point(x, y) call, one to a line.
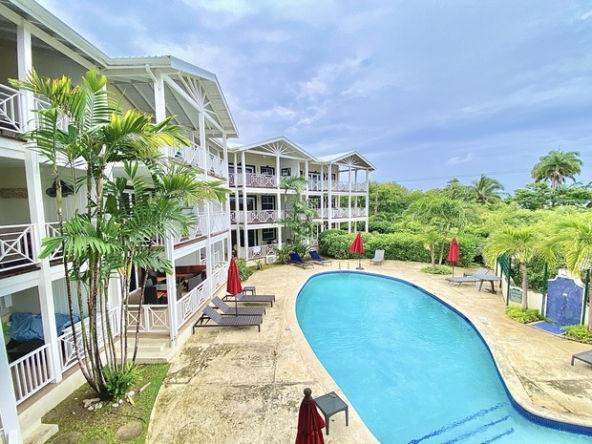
point(237, 204)
point(245, 210)
point(349, 199)
point(35, 200)
point(207, 207)
point(330, 194)
point(8, 413)
point(278, 199)
point(367, 200)
point(225, 154)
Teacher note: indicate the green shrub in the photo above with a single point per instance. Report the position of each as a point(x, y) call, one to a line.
point(437, 269)
point(579, 333)
point(524, 316)
point(402, 246)
point(243, 271)
point(121, 381)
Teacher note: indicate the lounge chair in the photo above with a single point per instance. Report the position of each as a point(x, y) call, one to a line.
point(318, 259)
point(378, 257)
point(209, 314)
point(583, 356)
point(297, 260)
point(481, 270)
point(462, 280)
point(252, 298)
point(240, 311)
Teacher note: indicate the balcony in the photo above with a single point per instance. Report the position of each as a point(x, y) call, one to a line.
point(256, 217)
point(257, 252)
point(252, 180)
point(341, 213)
point(11, 110)
point(17, 247)
point(338, 186)
point(196, 156)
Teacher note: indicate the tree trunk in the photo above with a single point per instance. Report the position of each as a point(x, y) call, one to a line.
point(524, 286)
point(433, 254)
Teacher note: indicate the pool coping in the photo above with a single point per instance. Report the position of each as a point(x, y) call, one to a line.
point(508, 376)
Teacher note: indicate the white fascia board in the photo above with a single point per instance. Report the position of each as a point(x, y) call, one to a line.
point(55, 24)
point(250, 146)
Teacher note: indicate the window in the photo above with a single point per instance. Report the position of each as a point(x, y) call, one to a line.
point(314, 202)
point(251, 203)
point(250, 169)
point(268, 234)
point(267, 171)
point(286, 172)
point(268, 202)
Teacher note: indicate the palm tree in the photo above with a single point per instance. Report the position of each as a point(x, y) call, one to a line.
point(573, 237)
point(486, 190)
point(522, 243)
point(83, 126)
point(438, 213)
point(299, 217)
point(556, 166)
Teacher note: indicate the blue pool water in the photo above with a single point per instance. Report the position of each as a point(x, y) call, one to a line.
point(415, 371)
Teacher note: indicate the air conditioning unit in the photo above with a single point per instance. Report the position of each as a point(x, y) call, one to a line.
point(270, 259)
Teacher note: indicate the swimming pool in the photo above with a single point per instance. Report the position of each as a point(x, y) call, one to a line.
point(415, 371)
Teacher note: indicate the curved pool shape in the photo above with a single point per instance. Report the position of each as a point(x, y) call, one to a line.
point(415, 371)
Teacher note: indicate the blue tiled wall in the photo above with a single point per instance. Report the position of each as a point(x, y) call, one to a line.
point(565, 300)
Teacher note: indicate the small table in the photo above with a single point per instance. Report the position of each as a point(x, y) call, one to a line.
point(330, 404)
point(250, 289)
point(489, 278)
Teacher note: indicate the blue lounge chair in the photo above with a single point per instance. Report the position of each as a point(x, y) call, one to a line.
point(318, 259)
point(297, 260)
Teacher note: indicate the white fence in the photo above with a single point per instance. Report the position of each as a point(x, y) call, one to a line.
point(152, 318)
point(256, 217)
point(17, 246)
point(189, 304)
point(11, 115)
point(31, 373)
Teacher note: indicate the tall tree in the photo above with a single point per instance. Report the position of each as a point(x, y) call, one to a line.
point(486, 190)
point(84, 129)
point(556, 166)
point(299, 216)
point(522, 243)
point(438, 213)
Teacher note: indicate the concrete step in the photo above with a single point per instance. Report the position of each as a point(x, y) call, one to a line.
point(151, 350)
point(40, 434)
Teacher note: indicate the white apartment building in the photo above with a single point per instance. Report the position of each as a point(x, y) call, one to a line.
point(337, 188)
point(32, 38)
point(36, 375)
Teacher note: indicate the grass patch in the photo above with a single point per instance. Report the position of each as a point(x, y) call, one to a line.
point(525, 316)
point(437, 269)
point(578, 333)
point(70, 415)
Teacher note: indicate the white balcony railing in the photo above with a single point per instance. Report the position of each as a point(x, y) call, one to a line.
point(260, 251)
point(11, 115)
point(252, 180)
point(66, 340)
point(217, 166)
point(189, 304)
point(218, 222)
point(31, 373)
point(52, 230)
point(256, 217)
point(17, 246)
point(152, 318)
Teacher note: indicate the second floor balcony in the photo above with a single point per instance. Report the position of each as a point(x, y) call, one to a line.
point(256, 217)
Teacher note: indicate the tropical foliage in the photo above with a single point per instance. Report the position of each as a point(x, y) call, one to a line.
point(556, 166)
point(84, 134)
point(299, 216)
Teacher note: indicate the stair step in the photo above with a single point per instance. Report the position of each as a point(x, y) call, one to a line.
point(42, 433)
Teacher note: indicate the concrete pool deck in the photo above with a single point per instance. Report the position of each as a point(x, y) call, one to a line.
point(235, 385)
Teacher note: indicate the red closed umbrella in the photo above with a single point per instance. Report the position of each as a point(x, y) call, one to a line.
point(358, 247)
point(310, 422)
point(453, 253)
point(233, 283)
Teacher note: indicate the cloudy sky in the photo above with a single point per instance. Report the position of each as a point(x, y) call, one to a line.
point(425, 90)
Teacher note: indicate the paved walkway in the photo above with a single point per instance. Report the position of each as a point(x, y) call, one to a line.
point(240, 386)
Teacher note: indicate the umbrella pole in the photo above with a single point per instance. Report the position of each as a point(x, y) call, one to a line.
point(235, 305)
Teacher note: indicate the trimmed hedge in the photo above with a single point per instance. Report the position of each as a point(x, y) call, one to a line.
point(396, 246)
